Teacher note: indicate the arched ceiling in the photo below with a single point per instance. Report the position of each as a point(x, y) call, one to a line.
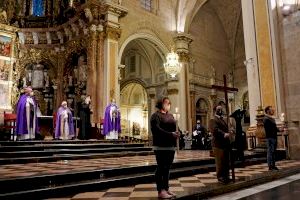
point(228, 11)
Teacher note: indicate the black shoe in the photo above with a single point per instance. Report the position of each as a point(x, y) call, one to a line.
point(275, 168)
point(270, 168)
point(224, 180)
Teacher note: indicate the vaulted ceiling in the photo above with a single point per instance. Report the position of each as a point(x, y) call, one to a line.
point(228, 11)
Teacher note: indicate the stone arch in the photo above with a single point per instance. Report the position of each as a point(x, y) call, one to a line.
point(190, 15)
point(200, 113)
point(160, 46)
point(138, 81)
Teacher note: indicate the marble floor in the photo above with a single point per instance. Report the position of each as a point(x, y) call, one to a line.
point(65, 166)
point(287, 188)
point(182, 186)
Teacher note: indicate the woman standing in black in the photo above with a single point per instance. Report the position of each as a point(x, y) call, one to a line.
point(163, 128)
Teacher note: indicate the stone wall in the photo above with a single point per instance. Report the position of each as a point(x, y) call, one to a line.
point(210, 46)
point(290, 43)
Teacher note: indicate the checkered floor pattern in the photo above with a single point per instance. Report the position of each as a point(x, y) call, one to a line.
point(181, 186)
point(65, 166)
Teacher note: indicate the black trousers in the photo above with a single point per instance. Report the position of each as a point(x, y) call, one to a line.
point(164, 160)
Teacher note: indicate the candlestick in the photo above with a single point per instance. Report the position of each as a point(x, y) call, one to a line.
point(176, 116)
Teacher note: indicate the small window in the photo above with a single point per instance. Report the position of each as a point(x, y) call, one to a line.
point(38, 8)
point(146, 4)
point(132, 64)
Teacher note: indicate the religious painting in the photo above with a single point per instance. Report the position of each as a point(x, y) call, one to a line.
point(5, 66)
point(4, 94)
point(38, 76)
point(5, 46)
point(136, 128)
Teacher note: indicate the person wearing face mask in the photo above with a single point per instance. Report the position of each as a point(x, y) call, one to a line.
point(271, 136)
point(85, 119)
point(199, 136)
point(221, 144)
point(27, 121)
point(64, 128)
point(163, 128)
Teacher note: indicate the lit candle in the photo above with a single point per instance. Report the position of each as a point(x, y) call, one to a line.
point(176, 110)
point(282, 117)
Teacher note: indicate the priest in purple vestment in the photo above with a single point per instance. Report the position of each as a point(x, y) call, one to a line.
point(112, 121)
point(27, 122)
point(64, 128)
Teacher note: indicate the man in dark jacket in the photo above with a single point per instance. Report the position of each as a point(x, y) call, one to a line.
point(221, 144)
point(271, 136)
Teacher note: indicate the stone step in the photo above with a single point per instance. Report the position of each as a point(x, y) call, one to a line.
point(45, 146)
point(73, 156)
point(53, 152)
point(57, 185)
point(34, 142)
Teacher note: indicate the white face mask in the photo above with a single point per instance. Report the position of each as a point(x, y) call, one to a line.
point(87, 100)
point(167, 107)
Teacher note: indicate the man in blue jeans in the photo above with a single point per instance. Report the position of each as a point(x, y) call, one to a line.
point(271, 136)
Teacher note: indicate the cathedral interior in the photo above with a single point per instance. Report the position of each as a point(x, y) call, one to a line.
point(238, 54)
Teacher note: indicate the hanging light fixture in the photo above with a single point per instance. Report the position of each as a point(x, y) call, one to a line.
point(172, 66)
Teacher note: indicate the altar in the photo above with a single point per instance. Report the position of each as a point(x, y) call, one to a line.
point(47, 125)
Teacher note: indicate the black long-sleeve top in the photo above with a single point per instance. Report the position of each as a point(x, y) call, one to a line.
point(162, 126)
point(270, 127)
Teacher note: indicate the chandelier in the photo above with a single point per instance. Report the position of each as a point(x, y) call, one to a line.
point(172, 66)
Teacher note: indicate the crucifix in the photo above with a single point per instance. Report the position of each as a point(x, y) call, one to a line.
point(226, 91)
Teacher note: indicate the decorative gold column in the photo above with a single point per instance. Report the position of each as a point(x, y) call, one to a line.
point(100, 77)
point(111, 85)
point(264, 50)
point(92, 76)
point(60, 95)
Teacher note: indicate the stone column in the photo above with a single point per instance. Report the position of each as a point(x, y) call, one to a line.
point(151, 110)
point(112, 33)
point(193, 106)
point(173, 94)
point(251, 62)
point(182, 42)
point(261, 59)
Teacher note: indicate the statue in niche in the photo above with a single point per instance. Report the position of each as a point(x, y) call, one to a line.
point(70, 80)
point(47, 84)
point(37, 76)
point(82, 69)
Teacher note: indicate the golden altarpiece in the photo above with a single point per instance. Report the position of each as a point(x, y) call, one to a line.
point(57, 48)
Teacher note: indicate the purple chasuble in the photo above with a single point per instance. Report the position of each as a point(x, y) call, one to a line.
point(70, 122)
point(110, 124)
point(21, 122)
